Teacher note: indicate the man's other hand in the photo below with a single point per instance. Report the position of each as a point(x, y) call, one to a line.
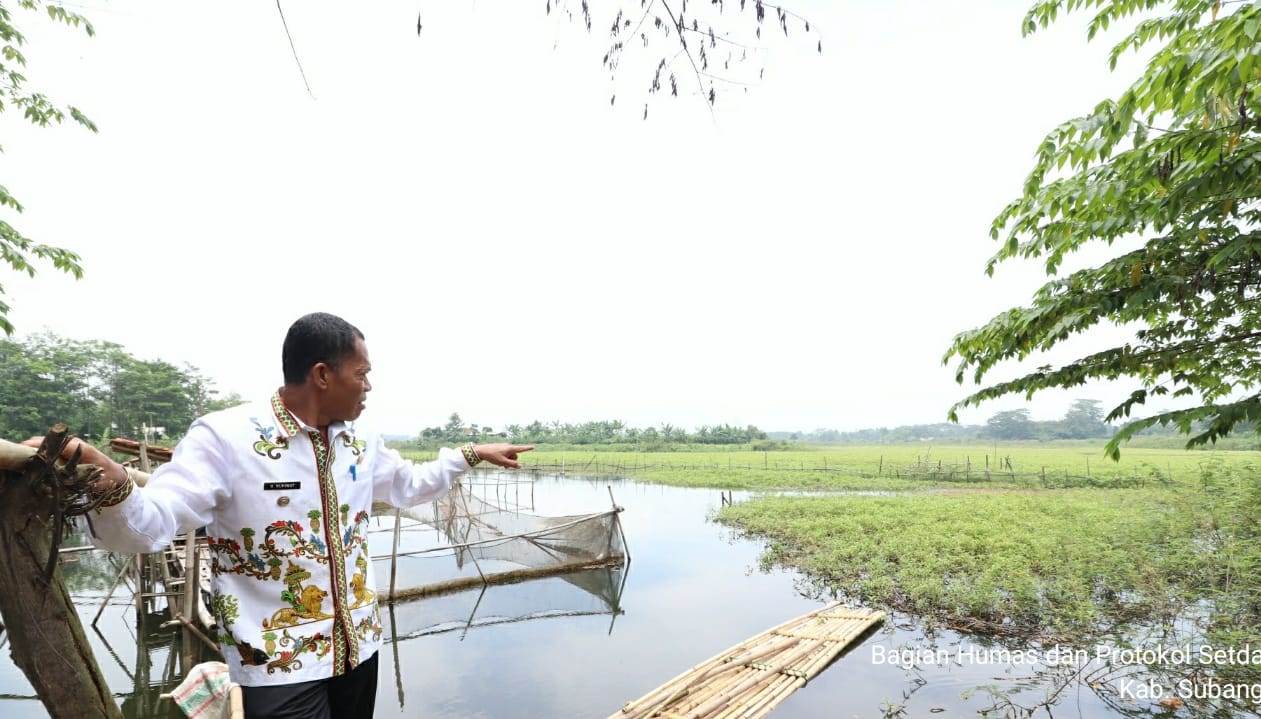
point(502, 455)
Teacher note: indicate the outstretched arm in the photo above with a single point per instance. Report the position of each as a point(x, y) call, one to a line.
point(402, 483)
point(180, 495)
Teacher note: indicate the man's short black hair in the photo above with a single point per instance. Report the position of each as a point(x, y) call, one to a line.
point(314, 338)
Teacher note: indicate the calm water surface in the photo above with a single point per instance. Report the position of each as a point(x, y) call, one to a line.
point(576, 648)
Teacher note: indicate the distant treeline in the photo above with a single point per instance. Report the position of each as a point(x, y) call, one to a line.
point(97, 388)
point(1084, 420)
point(605, 432)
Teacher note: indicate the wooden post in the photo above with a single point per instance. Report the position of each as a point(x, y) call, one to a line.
point(192, 592)
point(45, 635)
point(110, 594)
point(398, 527)
point(140, 586)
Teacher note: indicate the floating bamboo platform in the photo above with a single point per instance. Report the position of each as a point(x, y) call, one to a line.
point(753, 677)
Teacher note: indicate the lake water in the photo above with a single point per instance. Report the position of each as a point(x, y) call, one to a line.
point(551, 648)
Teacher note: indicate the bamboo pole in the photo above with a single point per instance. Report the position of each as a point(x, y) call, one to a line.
point(191, 590)
point(110, 594)
point(398, 528)
point(845, 631)
point(771, 686)
point(708, 675)
point(630, 706)
point(122, 445)
point(740, 683)
point(674, 691)
point(145, 465)
point(140, 567)
point(189, 625)
point(729, 694)
point(508, 577)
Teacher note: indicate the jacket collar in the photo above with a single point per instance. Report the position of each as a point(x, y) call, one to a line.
point(290, 426)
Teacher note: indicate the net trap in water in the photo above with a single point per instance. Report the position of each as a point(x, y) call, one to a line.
point(480, 535)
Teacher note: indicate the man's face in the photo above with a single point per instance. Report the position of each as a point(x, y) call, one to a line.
point(348, 385)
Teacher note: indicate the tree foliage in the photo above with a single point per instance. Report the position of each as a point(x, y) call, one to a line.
point(596, 432)
point(96, 388)
point(1175, 160)
point(18, 251)
point(1083, 420)
point(697, 48)
point(1011, 424)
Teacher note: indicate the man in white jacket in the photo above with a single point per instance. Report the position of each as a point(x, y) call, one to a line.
point(285, 488)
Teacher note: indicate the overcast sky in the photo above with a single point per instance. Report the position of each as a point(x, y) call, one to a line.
point(514, 246)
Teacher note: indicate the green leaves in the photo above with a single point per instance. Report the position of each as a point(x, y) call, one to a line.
point(17, 250)
point(82, 119)
point(94, 387)
point(60, 14)
point(1176, 157)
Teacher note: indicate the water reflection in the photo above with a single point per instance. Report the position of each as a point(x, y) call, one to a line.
point(594, 592)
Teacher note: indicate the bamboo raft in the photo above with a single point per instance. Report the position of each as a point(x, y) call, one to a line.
point(752, 678)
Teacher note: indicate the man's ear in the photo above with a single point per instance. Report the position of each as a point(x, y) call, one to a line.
point(319, 373)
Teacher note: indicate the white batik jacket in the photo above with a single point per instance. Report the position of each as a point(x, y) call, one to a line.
point(287, 518)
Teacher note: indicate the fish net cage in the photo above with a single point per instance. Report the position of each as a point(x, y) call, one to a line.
point(450, 559)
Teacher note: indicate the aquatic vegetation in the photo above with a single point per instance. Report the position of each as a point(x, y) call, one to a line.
point(1074, 565)
point(1012, 562)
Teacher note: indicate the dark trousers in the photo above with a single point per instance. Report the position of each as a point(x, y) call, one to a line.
point(349, 696)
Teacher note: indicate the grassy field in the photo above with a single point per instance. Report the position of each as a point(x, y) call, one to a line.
point(895, 467)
